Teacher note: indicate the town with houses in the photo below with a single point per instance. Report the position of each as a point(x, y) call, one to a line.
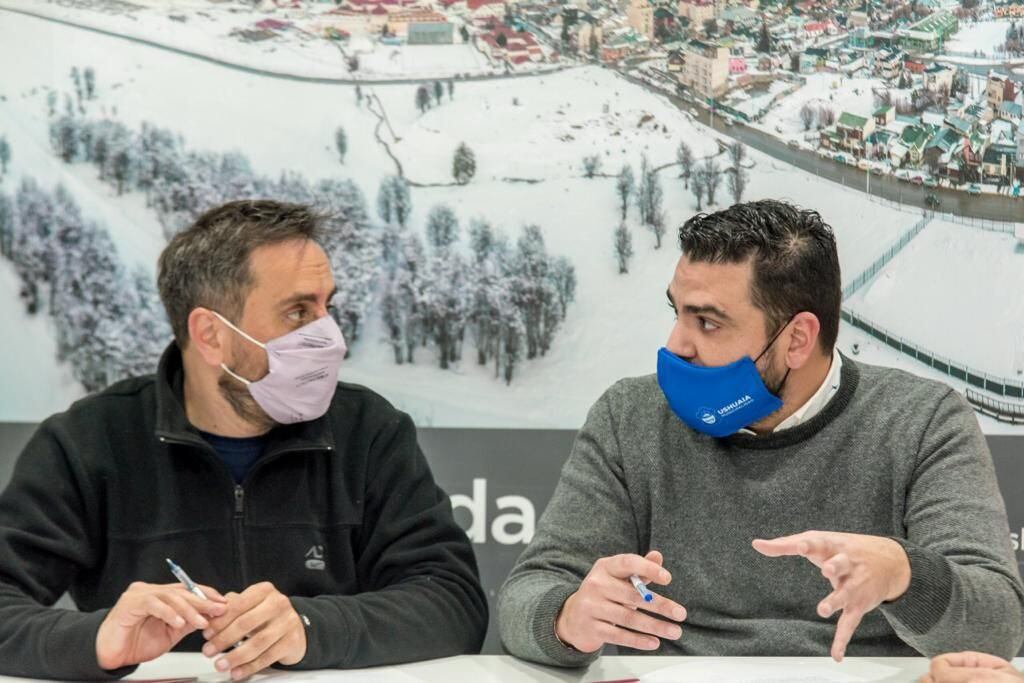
point(944, 76)
point(583, 129)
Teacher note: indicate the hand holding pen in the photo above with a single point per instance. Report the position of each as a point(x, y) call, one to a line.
point(150, 619)
point(612, 605)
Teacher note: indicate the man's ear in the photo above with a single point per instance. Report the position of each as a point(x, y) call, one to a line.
point(805, 328)
point(208, 335)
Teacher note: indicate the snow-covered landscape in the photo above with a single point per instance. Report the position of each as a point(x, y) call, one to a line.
point(951, 288)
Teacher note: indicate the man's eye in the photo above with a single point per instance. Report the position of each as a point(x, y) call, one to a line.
point(707, 325)
point(296, 315)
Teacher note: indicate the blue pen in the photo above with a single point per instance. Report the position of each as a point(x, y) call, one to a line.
point(647, 595)
point(188, 583)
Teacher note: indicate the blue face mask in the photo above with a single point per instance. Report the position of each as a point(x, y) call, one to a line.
point(717, 401)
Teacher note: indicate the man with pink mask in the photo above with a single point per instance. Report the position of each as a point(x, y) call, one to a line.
point(301, 506)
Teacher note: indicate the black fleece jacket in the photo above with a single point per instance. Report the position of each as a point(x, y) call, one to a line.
point(341, 514)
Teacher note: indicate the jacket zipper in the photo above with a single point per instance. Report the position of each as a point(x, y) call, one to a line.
point(240, 533)
point(238, 525)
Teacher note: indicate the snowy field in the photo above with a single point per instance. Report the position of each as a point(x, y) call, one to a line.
point(979, 323)
point(537, 129)
point(203, 28)
point(835, 91)
point(983, 36)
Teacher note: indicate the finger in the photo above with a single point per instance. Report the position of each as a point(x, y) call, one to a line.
point(836, 568)
point(267, 658)
point(622, 592)
point(781, 546)
point(212, 594)
point(236, 605)
point(966, 675)
point(927, 678)
point(835, 601)
point(151, 605)
point(209, 608)
point(615, 635)
point(236, 631)
point(635, 620)
point(655, 556)
point(258, 642)
point(624, 566)
point(848, 622)
point(180, 604)
point(973, 660)
point(816, 546)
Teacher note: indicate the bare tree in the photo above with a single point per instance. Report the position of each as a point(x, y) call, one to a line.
point(712, 178)
point(807, 116)
point(826, 116)
point(737, 183)
point(624, 188)
point(591, 165)
point(737, 153)
point(697, 186)
point(685, 157)
point(623, 247)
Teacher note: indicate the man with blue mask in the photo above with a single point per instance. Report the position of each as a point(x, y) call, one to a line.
point(301, 506)
point(776, 497)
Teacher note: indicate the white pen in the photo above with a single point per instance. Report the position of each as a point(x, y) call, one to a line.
point(188, 583)
point(641, 588)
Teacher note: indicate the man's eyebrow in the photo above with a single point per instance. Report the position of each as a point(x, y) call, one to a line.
point(309, 297)
point(707, 309)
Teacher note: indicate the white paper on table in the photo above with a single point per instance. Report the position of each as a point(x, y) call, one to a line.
point(379, 675)
point(764, 670)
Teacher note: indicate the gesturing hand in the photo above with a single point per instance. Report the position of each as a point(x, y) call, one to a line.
point(864, 571)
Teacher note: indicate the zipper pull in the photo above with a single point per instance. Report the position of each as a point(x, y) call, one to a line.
point(239, 500)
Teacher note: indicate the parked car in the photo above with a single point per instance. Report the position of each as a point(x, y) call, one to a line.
point(902, 174)
point(728, 120)
point(793, 143)
point(877, 170)
point(931, 182)
point(863, 164)
point(917, 179)
point(974, 188)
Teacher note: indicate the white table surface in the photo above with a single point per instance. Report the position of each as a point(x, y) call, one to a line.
point(492, 668)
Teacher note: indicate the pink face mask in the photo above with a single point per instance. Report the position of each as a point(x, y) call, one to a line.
point(303, 371)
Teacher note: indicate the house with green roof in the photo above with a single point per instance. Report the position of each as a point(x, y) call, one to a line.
point(853, 131)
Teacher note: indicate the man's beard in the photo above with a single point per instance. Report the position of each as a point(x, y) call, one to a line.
point(237, 394)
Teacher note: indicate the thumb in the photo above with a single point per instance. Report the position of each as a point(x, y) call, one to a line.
point(655, 556)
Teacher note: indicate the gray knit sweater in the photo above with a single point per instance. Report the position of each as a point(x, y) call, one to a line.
point(890, 455)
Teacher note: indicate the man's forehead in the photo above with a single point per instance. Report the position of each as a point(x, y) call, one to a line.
point(726, 283)
point(284, 268)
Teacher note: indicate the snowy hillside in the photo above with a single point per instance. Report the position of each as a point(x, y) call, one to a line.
point(536, 130)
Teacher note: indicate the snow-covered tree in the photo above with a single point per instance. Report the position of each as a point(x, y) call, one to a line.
point(737, 183)
point(5, 154)
point(643, 189)
point(684, 155)
point(7, 217)
point(438, 92)
point(442, 227)
point(90, 83)
point(623, 242)
point(394, 202)
point(422, 99)
point(341, 143)
point(712, 178)
point(463, 164)
point(624, 188)
point(591, 165)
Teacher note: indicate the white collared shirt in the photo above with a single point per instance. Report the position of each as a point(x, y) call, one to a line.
point(816, 403)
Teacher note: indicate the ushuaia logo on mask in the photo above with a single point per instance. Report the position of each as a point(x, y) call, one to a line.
point(734, 406)
point(706, 416)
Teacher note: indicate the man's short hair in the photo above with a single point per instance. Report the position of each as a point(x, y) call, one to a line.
point(792, 252)
point(207, 264)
